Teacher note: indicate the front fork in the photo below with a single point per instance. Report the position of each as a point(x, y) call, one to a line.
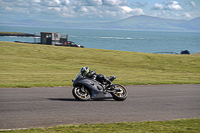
point(82, 88)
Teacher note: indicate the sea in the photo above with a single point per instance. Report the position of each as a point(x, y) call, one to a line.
point(123, 40)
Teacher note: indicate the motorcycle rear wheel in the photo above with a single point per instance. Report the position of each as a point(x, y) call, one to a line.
point(119, 96)
point(81, 95)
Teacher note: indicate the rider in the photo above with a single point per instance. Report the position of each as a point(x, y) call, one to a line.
point(86, 72)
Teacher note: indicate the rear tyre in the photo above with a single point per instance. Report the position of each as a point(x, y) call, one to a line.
point(119, 95)
point(81, 93)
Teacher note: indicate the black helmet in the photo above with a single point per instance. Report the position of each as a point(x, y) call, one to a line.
point(84, 71)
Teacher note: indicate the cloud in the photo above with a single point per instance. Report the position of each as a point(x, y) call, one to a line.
point(50, 3)
point(65, 2)
point(37, 0)
point(108, 10)
point(126, 9)
point(8, 8)
point(114, 2)
point(110, 3)
point(158, 6)
point(139, 4)
point(172, 5)
point(187, 15)
point(174, 10)
point(168, 14)
point(138, 11)
point(192, 4)
point(90, 2)
point(167, 5)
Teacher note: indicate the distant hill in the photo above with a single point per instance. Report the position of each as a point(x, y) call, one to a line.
point(147, 23)
point(193, 24)
point(144, 23)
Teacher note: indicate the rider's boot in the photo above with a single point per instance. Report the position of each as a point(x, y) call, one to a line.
point(110, 87)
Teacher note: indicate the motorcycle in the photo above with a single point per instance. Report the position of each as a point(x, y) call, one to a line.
point(86, 89)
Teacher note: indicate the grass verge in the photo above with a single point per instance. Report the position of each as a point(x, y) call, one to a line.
point(32, 65)
point(174, 126)
point(2, 32)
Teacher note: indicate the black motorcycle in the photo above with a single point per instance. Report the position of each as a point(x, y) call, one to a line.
point(87, 88)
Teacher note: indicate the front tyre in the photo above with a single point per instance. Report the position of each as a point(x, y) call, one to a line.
point(81, 93)
point(119, 94)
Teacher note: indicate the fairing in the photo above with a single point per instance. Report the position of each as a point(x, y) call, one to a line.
point(95, 88)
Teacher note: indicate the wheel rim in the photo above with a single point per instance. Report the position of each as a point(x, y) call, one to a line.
point(120, 94)
point(83, 95)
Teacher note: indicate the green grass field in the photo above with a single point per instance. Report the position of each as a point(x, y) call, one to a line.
point(174, 126)
point(33, 65)
point(11, 33)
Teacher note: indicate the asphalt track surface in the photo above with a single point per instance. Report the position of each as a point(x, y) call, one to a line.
point(51, 106)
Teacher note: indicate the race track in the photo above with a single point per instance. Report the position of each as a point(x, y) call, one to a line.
point(44, 107)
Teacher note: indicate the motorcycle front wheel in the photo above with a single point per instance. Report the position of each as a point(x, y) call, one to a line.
point(81, 93)
point(119, 95)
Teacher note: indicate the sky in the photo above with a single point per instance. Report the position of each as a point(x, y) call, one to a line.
point(78, 11)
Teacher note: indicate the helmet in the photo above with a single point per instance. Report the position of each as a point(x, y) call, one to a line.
point(84, 71)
